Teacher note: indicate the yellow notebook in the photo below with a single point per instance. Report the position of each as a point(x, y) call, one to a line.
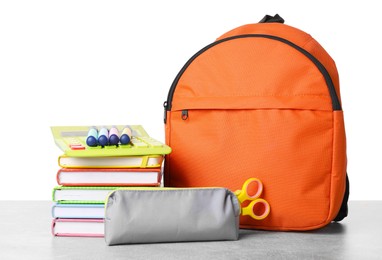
point(145, 161)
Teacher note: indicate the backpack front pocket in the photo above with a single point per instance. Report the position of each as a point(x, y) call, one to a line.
point(290, 150)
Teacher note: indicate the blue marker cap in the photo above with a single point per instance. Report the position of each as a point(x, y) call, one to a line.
point(103, 138)
point(91, 140)
point(126, 135)
point(114, 140)
point(125, 139)
point(113, 136)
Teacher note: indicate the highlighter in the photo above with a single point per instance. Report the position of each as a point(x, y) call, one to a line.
point(92, 138)
point(113, 136)
point(125, 135)
point(103, 136)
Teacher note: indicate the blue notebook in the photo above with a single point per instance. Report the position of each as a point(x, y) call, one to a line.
point(78, 210)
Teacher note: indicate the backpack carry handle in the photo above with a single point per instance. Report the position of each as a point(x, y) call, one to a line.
point(272, 19)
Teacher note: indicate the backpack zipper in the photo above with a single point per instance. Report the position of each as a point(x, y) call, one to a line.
point(332, 91)
point(184, 114)
point(165, 112)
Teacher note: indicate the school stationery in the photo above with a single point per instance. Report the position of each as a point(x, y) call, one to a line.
point(262, 100)
point(78, 227)
point(258, 208)
point(92, 138)
point(75, 195)
point(103, 136)
point(85, 141)
point(113, 136)
point(144, 161)
point(125, 135)
point(148, 215)
point(78, 210)
point(109, 177)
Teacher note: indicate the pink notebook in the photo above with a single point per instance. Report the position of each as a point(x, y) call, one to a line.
point(78, 227)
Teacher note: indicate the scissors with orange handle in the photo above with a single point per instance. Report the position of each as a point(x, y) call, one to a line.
point(259, 208)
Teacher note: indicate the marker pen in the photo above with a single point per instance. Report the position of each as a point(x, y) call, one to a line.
point(103, 136)
point(125, 135)
point(113, 136)
point(91, 139)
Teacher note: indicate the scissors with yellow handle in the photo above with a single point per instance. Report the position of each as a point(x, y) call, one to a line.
point(259, 208)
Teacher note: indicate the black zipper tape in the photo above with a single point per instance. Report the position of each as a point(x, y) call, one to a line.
point(332, 91)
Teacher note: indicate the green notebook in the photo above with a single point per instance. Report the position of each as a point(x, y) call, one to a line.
point(81, 195)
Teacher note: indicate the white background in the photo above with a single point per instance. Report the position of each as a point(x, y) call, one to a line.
point(112, 62)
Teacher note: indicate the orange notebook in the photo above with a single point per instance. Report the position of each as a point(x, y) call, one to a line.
point(109, 177)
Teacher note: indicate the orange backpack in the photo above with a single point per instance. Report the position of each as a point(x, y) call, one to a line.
point(262, 101)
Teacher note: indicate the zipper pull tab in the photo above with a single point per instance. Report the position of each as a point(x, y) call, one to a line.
point(165, 112)
point(184, 114)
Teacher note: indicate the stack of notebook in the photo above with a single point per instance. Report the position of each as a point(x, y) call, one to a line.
point(88, 174)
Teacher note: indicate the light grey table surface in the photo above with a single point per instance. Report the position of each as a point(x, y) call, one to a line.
point(25, 234)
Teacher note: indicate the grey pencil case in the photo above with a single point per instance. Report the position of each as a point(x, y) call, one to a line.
point(153, 215)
